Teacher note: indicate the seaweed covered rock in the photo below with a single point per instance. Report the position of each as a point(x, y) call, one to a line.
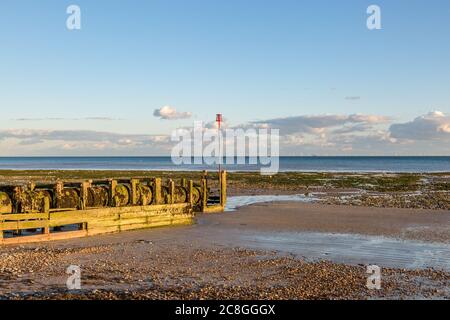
point(180, 195)
point(68, 198)
point(144, 195)
point(98, 196)
point(5, 203)
point(33, 201)
point(121, 195)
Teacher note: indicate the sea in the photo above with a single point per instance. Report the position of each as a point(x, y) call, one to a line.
point(286, 164)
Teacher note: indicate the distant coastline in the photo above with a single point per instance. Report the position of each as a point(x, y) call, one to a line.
point(405, 164)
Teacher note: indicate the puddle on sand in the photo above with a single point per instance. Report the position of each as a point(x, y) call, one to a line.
point(239, 201)
point(341, 248)
point(354, 249)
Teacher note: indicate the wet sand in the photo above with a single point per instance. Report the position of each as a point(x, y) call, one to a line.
point(263, 251)
point(418, 224)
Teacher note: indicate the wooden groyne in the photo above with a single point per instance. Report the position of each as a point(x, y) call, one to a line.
point(42, 212)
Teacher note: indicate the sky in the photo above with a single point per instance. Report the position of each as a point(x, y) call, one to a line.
point(137, 70)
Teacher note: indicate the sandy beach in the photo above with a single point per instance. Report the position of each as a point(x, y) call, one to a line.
point(262, 251)
point(224, 150)
point(315, 244)
point(417, 224)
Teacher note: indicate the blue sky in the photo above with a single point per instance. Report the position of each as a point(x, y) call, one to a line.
point(253, 60)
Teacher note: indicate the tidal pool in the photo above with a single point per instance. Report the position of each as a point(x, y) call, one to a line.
point(234, 203)
point(353, 249)
point(336, 247)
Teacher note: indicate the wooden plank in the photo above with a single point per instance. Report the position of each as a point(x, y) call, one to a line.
point(68, 235)
point(102, 224)
point(166, 221)
point(58, 189)
point(20, 225)
point(204, 193)
point(123, 222)
point(96, 221)
point(112, 191)
point(44, 237)
point(64, 222)
point(223, 188)
point(96, 231)
point(114, 229)
point(106, 211)
point(154, 219)
point(135, 226)
point(23, 216)
point(132, 215)
point(46, 229)
point(213, 209)
point(191, 195)
point(157, 191)
point(172, 191)
point(128, 215)
point(80, 215)
point(62, 209)
point(120, 222)
point(133, 183)
point(84, 193)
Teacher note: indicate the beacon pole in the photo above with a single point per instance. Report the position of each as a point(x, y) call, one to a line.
point(219, 121)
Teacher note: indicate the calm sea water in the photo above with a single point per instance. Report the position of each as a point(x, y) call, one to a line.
point(332, 164)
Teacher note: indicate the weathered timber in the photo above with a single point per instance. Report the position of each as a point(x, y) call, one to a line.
point(5, 203)
point(223, 188)
point(97, 207)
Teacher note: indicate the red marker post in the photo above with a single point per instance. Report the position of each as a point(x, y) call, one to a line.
point(219, 121)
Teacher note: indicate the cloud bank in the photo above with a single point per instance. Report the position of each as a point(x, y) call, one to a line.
point(329, 134)
point(80, 142)
point(432, 126)
point(319, 123)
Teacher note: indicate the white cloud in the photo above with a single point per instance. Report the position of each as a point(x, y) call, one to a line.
point(169, 113)
point(318, 124)
point(330, 134)
point(368, 118)
point(432, 126)
point(361, 134)
point(75, 142)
